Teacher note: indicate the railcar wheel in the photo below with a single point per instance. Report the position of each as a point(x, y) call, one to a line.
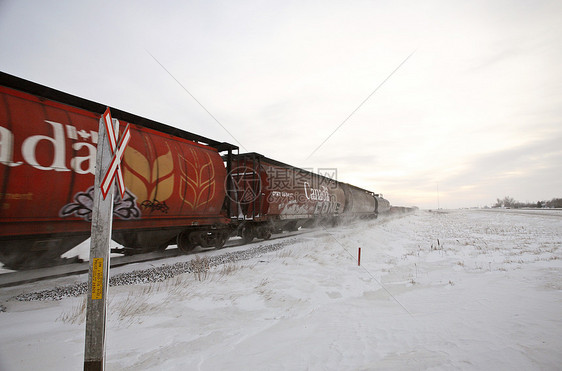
point(264, 233)
point(184, 243)
point(34, 261)
point(267, 235)
point(17, 262)
point(221, 240)
point(291, 226)
point(248, 234)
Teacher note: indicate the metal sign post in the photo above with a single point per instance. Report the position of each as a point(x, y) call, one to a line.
point(108, 157)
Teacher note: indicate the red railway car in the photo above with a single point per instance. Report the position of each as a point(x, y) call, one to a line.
point(269, 189)
point(174, 179)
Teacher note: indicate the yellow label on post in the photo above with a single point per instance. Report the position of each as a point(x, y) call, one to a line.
point(97, 279)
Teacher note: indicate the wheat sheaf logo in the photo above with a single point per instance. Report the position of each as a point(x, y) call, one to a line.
point(149, 181)
point(198, 188)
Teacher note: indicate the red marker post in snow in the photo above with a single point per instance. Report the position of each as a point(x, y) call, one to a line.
point(359, 258)
point(108, 157)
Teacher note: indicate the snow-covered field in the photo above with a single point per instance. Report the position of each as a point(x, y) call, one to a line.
point(463, 289)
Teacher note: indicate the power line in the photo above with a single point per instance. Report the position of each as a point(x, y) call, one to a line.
point(195, 99)
point(360, 105)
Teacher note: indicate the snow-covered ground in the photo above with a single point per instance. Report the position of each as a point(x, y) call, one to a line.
point(464, 289)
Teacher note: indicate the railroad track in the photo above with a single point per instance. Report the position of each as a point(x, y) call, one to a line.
point(33, 275)
point(23, 277)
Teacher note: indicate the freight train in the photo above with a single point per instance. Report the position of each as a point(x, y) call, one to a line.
point(181, 188)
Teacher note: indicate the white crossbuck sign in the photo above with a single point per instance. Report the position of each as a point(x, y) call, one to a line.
point(117, 149)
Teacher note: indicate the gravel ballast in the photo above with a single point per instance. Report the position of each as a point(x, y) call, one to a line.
point(155, 274)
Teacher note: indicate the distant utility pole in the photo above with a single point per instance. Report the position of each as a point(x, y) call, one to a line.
point(108, 157)
point(438, 196)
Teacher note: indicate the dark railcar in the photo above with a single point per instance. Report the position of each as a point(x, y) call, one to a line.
point(361, 203)
point(383, 205)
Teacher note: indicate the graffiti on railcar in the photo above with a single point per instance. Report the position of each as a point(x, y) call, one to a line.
point(155, 205)
point(123, 208)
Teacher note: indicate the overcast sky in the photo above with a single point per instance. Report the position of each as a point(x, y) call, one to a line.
point(474, 114)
